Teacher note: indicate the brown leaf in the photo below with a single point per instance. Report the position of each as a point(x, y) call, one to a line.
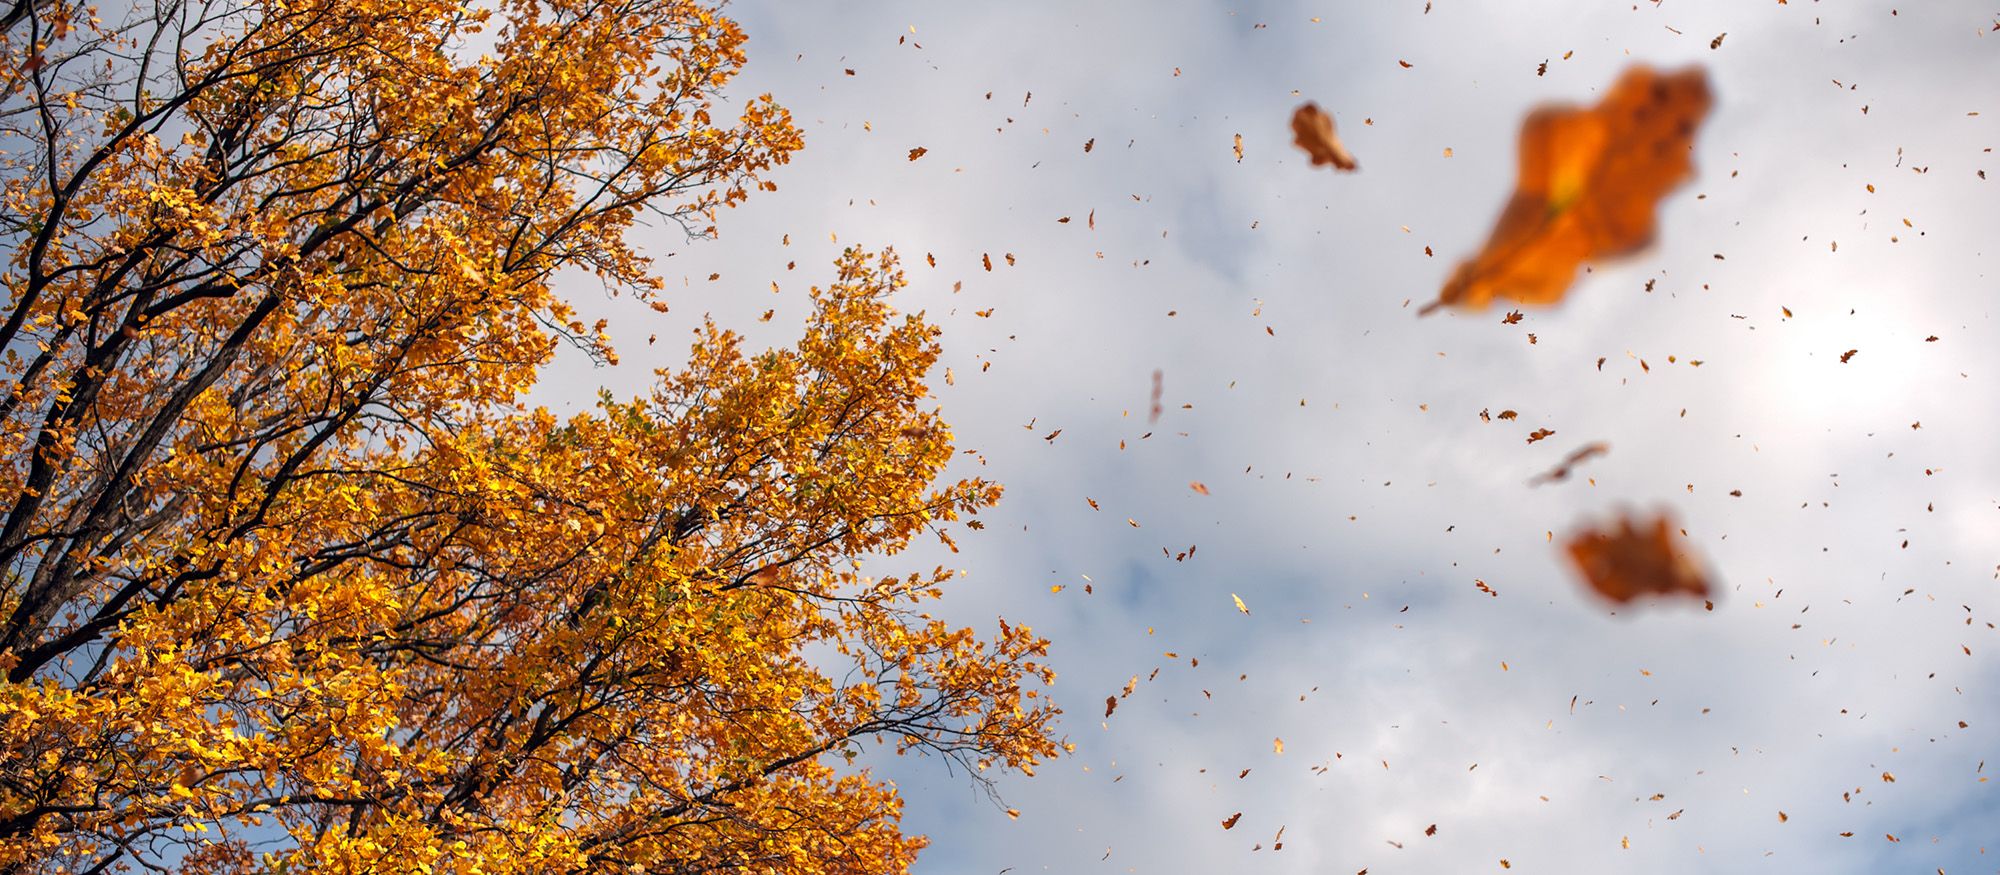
point(1110, 705)
point(1312, 130)
point(1589, 183)
point(1511, 318)
point(1231, 822)
point(1539, 434)
point(1561, 472)
point(1406, 64)
point(1508, 414)
point(918, 152)
point(1624, 561)
point(1847, 355)
point(1197, 486)
point(1432, 830)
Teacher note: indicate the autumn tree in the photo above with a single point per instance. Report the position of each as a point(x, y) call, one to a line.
point(295, 581)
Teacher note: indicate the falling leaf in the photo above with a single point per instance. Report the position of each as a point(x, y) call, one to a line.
point(1010, 259)
point(1590, 180)
point(1197, 486)
point(1484, 588)
point(1888, 778)
point(1508, 414)
point(1561, 472)
point(1231, 822)
point(1506, 865)
point(1511, 318)
point(986, 260)
point(1625, 561)
point(1539, 434)
point(1239, 148)
point(1432, 830)
point(1717, 42)
point(1157, 376)
point(1110, 705)
point(1782, 817)
point(1312, 130)
point(1406, 64)
point(1847, 355)
point(1277, 744)
point(1239, 603)
point(918, 152)
point(1087, 144)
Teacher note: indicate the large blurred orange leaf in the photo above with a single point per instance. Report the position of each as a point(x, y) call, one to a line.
point(1589, 182)
point(1624, 561)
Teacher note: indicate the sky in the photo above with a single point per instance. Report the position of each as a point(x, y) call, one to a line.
point(1848, 508)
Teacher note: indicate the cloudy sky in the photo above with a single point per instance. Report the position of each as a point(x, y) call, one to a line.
point(1355, 494)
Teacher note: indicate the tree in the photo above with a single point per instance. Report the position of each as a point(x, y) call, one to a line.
point(296, 582)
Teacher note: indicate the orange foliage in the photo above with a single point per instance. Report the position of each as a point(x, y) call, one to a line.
point(290, 562)
point(1589, 183)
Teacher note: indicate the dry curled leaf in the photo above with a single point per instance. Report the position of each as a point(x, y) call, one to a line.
point(1312, 130)
point(1589, 182)
point(1561, 471)
point(1539, 434)
point(1231, 822)
point(918, 152)
point(1197, 486)
point(1624, 560)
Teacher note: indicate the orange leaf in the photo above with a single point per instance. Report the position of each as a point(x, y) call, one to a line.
point(1589, 182)
point(1624, 561)
point(1312, 130)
